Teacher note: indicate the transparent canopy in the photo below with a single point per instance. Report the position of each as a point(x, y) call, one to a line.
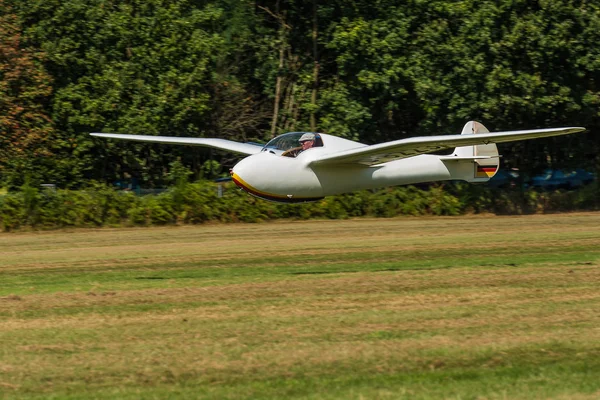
point(289, 141)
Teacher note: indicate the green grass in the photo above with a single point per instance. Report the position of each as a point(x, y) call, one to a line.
point(415, 308)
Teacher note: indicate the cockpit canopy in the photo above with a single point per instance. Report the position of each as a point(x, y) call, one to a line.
point(289, 141)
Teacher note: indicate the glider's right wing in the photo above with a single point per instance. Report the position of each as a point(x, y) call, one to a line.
point(236, 147)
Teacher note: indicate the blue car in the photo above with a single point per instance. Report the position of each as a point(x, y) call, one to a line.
point(558, 179)
point(504, 179)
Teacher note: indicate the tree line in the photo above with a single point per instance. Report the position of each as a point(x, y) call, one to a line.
point(249, 70)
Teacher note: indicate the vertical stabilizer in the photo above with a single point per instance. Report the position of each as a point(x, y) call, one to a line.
point(476, 170)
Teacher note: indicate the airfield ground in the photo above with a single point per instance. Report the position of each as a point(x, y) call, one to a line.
point(458, 308)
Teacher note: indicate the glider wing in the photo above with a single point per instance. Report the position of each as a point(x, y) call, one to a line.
point(404, 148)
point(236, 147)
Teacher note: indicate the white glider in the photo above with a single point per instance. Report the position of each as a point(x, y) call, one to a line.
point(284, 172)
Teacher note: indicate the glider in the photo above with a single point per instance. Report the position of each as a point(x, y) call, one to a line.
point(304, 166)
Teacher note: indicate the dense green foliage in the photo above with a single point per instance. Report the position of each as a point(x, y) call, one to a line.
point(197, 203)
point(24, 89)
point(364, 70)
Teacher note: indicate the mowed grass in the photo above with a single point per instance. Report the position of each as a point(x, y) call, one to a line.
point(415, 308)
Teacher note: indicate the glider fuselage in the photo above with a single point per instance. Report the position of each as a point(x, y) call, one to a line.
point(285, 179)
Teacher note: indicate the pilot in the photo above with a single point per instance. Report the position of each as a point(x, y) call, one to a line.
point(307, 141)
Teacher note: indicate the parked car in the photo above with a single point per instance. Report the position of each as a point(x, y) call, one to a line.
point(584, 176)
point(559, 179)
point(505, 178)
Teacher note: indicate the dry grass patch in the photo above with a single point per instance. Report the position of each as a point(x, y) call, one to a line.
point(333, 308)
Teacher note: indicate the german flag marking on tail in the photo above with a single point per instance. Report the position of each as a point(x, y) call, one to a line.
point(485, 171)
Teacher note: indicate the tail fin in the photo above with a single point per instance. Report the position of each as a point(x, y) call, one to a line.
point(476, 163)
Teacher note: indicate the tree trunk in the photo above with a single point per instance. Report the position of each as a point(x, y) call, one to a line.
point(278, 87)
point(313, 99)
point(283, 27)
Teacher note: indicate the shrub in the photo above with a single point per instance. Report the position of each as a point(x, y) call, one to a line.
point(99, 205)
point(12, 209)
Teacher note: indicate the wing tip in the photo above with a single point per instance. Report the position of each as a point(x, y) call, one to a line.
point(101, 134)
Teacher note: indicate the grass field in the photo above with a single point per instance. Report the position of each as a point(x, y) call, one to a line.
point(457, 308)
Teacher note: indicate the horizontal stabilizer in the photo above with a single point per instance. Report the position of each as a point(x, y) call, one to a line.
point(465, 158)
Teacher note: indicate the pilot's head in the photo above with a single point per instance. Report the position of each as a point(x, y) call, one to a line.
point(307, 140)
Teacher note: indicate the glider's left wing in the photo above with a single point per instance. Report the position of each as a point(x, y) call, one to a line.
point(398, 149)
point(236, 147)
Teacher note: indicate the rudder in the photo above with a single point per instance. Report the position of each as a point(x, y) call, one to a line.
point(481, 169)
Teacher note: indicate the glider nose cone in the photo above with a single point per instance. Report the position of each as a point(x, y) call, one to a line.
point(252, 175)
point(237, 172)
